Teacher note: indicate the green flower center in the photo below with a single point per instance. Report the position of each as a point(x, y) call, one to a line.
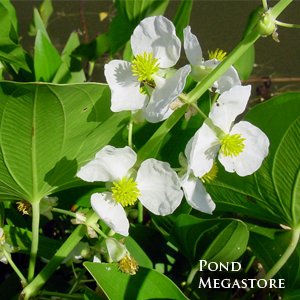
point(144, 67)
point(218, 54)
point(125, 192)
point(232, 145)
point(211, 175)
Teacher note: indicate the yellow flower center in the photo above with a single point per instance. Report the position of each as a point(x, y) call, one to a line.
point(144, 67)
point(218, 54)
point(211, 175)
point(232, 145)
point(125, 192)
point(128, 265)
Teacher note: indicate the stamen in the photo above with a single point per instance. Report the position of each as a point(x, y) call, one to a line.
point(218, 54)
point(211, 175)
point(125, 192)
point(128, 265)
point(144, 67)
point(232, 145)
point(24, 207)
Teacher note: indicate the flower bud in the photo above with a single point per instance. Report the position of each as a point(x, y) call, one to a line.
point(116, 250)
point(266, 25)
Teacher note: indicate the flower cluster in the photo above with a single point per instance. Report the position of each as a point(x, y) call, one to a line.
point(149, 83)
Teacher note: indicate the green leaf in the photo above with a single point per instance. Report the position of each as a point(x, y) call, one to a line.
point(46, 59)
point(91, 295)
point(70, 71)
point(11, 53)
point(270, 193)
point(45, 11)
point(39, 24)
point(94, 49)
point(182, 17)
point(120, 32)
point(47, 132)
point(146, 284)
point(217, 240)
point(268, 251)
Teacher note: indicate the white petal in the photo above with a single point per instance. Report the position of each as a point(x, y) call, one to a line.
point(229, 105)
point(192, 47)
point(204, 150)
point(196, 195)
point(165, 92)
point(116, 249)
point(110, 164)
point(125, 89)
point(112, 213)
point(256, 149)
point(228, 80)
point(159, 186)
point(157, 35)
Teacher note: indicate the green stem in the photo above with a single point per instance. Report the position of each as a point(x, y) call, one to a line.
point(140, 213)
point(279, 7)
point(265, 5)
point(287, 25)
point(130, 129)
point(199, 111)
point(35, 239)
point(74, 296)
point(160, 133)
point(15, 268)
point(279, 264)
point(36, 284)
point(207, 82)
point(69, 213)
point(189, 281)
point(250, 264)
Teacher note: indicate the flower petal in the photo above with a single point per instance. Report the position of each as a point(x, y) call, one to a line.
point(229, 105)
point(165, 92)
point(204, 150)
point(192, 47)
point(125, 89)
point(228, 80)
point(159, 186)
point(112, 213)
point(256, 149)
point(196, 195)
point(109, 164)
point(157, 35)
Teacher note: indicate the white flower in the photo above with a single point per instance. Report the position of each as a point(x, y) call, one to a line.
point(155, 184)
point(202, 68)
point(148, 82)
point(194, 190)
point(242, 147)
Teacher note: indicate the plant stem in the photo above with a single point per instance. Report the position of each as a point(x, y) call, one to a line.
point(140, 213)
point(15, 268)
point(279, 264)
point(130, 129)
point(190, 280)
point(199, 111)
point(69, 213)
point(207, 82)
point(265, 4)
point(35, 239)
point(279, 7)
point(36, 284)
point(74, 296)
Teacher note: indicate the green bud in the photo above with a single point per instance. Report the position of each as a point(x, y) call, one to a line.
point(87, 253)
point(266, 25)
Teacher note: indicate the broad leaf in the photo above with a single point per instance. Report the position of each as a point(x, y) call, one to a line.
point(142, 286)
point(217, 240)
point(47, 132)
